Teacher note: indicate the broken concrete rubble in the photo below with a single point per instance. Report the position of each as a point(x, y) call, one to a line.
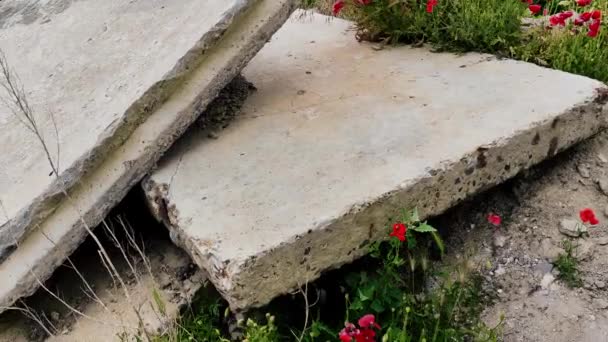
point(340, 136)
point(120, 99)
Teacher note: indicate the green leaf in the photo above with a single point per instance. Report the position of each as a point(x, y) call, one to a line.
point(424, 228)
point(415, 217)
point(406, 216)
point(377, 306)
point(366, 294)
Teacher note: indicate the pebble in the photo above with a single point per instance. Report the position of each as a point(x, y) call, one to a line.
point(548, 250)
point(547, 280)
point(500, 240)
point(583, 171)
point(603, 184)
point(543, 268)
point(600, 304)
point(602, 158)
point(602, 241)
point(600, 284)
point(572, 227)
point(584, 249)
point(55, 316)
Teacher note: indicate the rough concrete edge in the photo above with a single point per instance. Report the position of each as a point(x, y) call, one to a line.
point(266, 27)
point(256, 281)
point(17, 228)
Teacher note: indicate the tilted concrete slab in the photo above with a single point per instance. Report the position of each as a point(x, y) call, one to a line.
point(339, 137)
point(100, 68)
point(124, 79)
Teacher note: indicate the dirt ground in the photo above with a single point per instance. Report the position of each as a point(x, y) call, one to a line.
point(516, 259)
point(168, 271)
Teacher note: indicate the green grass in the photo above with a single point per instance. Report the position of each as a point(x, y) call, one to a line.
point(577, 54)
point(492, 26)
point(201, 325)
point(456, 25)
point(567, 265)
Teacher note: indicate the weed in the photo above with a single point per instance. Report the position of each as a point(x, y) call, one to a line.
point(457, 25)
point(387, 298)
point(200, 326)
point(567, 265)
point(261, 332)
point(572, 41)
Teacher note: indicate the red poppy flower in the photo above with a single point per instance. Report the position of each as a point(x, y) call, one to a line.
point(588, 216)
point(494, 219)
point(338, 6)
point(560, 18)
point(430, 4)
point(535, 8)
point(349, 331)
point(368, 321)
point(594, 29)
point(583, 2)
point(366, 335)
point(597, 15)
point(585, 16)
point(344, 336)
point(399, 230)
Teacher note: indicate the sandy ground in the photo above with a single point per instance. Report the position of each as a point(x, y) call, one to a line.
point(170, 274)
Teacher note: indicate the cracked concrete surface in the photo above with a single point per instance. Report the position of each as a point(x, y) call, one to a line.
point(123, 79)
point(339, 136)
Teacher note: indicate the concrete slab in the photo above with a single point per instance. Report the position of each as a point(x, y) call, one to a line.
point(124, 79)
point(101, 68)
point(339, 137)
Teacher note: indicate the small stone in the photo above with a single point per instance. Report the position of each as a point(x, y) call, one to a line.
point(500, 271)
point(602, 241)
point(500, 240)
point(543, 268)
point(603, 184)
point(584, 249)
point(602, 158)
point(547, 280)
point(600, 284)
point(600, 304)
point(572, 227)
point(583, 171)
point(548, 250)
point(55, 316)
